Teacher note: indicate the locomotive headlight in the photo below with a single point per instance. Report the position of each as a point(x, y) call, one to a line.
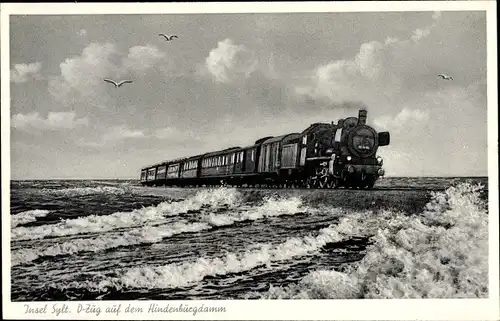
point(380, 160)
point(348, 158)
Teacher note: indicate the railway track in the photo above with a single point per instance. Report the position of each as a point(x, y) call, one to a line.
point(433, 189)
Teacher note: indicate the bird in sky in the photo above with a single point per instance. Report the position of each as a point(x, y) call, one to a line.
point(167, 37)
point(445, 77)
point(118, 84)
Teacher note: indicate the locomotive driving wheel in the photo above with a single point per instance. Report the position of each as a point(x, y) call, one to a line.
point(323, 177)
point(333, 183)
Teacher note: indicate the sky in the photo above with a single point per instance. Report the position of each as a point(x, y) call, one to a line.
point(230, 79)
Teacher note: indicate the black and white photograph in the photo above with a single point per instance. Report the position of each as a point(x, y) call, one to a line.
point(186, 160)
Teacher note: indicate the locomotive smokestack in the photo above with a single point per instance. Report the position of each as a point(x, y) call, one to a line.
point(362, 117)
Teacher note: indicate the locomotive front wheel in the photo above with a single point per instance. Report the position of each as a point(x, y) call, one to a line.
point(323, 182)
point(309, 182)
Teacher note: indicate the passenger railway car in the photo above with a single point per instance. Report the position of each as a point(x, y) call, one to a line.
point(324, 155)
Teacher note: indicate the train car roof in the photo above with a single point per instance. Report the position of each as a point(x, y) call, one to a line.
point(222, 152)
point(175, 160)
point(261, 140)
point(279, 138)
point(250, 146)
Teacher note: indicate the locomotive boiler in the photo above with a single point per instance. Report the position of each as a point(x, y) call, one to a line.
point(325, 155)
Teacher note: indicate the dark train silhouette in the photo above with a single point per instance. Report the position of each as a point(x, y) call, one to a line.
point(322, 156)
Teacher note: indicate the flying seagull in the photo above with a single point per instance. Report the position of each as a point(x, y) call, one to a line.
point(445, 77)
point(119, 83)
point(167, 36)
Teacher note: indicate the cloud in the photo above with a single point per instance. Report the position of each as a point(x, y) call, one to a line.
point(122, 132)
point(379, 71)
point(82, 32)
point(142, 58)
point(24, 72)
point(81, 78)
point(230, 61)
point(436, 15)
point(406, 118)
point(54, 121)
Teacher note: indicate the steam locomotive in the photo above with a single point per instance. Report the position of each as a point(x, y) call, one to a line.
point(322, 156)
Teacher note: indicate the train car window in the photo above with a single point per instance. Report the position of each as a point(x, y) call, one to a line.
point(253, 155)
point(304, 140)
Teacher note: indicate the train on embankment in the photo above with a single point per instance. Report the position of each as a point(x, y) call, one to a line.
point(322, 156)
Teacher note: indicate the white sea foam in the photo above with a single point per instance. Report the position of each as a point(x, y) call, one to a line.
point(440, 254)
point(138, 217)
point(152, 234)
point(26, 217)
point(270, 208)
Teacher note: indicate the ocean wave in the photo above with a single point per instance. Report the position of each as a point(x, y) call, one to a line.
point(104, 242)
point(26, 217)
point(189, 273)
point(441, 254)
point(271, 207)
point(83, 191)
point(146, 215)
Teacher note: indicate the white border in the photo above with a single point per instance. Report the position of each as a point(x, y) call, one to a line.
point(445, 309)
